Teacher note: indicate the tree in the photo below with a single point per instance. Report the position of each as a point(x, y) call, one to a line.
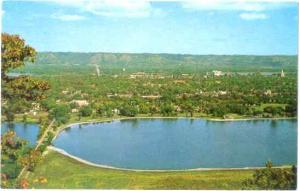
point(23, 184)
point(166, 109)
point(105, 110)
point(144, 108)
point(188, 107)
point(12, 149)
point(31, 159)
point(292, 109)
point(61, 113)
point(129, 110)
point(218, 110)
point(273, 110)
point(85, 111)
point(272, 178)
point(15, 53)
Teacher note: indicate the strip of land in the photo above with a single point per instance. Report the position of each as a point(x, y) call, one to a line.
point(63, 172)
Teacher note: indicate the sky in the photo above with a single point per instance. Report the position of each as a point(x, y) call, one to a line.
point(245, 27)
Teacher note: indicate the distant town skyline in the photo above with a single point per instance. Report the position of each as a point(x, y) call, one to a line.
point(221, 27)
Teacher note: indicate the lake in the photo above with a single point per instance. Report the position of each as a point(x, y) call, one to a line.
point(27, 131)
point(182, 143)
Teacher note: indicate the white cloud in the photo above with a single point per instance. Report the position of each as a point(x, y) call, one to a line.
point(251, 9)
point(243, 5)
point(113, 8)
point(65, 17)
point(109, 8)
point(143, 8)
point(253, 16)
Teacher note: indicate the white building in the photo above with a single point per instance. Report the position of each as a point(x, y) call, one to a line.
point(74, 110)
point(217, 73)
point(268, 93)
point(282, 74)
point(80, 103)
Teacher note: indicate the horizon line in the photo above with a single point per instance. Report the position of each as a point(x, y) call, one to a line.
point(164, 53)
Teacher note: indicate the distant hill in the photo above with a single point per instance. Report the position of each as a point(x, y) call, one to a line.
point(115, 62)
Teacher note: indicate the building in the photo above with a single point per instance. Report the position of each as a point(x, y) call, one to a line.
point(116, 111)
point(268, 93)
point(138, 75)
point(282, 74)
point(217, 73)
point(35, 106)
point(65, 92)
point(151, 96)
point(74, 110)
point(222, 92)
point(80, 103)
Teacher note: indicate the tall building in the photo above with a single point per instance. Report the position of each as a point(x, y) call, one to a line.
point(282, 74)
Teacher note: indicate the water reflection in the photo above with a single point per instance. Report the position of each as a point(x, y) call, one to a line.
point(183, 143)
point(11, 125)
point(273, 123)
point(27, 131)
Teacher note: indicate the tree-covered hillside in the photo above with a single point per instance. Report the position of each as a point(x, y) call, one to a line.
point(55, 62)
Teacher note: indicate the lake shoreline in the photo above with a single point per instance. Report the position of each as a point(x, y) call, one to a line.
point(78, 159)
point(60, 129)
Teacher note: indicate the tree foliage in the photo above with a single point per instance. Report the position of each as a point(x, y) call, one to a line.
point(85, 111)
point(15, 53)
point(61, 113)
point(12, 150)
point(273, 178)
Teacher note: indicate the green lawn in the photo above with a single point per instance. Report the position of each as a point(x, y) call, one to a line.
point(63, 172)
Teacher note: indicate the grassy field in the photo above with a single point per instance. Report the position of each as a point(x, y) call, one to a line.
point(63, 172)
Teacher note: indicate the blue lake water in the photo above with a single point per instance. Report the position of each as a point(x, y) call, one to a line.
point(27, 131)
point(182, 143)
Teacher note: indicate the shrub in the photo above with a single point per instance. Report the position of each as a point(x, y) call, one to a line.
point(272, 178)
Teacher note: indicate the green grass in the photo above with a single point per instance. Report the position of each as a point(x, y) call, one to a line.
point(262, 106)
point(64, 172)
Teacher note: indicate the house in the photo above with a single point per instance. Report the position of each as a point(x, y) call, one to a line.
point(109, 95)
point(74, 110)
point(80, 103)
point(125, 95)
point(137, 75)
point(35, 106)
point(268, 93)
point(151, 96)
point(222, 92)
point(217, 73)
point(34, 113)
point(65, 92)
point(116, 111)
point(179, 81)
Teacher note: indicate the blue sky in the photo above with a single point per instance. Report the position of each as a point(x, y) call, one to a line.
point(263, 27)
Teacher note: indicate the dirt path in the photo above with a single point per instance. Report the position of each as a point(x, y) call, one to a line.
point(40, 141)
point(44, 135)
